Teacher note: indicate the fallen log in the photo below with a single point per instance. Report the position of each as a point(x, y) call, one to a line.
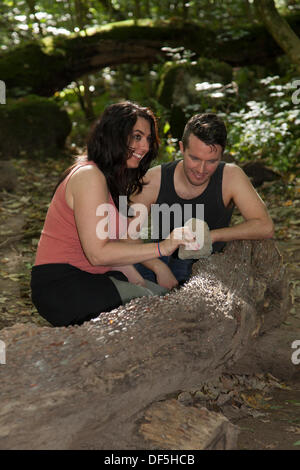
point(91, 386)
point(64, 59)
point(171, 425)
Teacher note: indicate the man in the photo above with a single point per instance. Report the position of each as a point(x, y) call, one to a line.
point(201, 178)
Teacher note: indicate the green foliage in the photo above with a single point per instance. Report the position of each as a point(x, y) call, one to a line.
point(267, 127)
point(19, 22)
point(262, 120)
point(16, 69)
point(261, 114)
point(34, 127)
point(176, 89)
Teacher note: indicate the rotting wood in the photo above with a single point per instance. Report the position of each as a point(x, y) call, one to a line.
point(88, 387)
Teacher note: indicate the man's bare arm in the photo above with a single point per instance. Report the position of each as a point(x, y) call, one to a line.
point(258, 223)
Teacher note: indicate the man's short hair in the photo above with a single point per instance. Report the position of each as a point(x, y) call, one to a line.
point(208, 127)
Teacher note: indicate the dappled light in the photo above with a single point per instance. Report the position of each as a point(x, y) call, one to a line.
point(62, 64)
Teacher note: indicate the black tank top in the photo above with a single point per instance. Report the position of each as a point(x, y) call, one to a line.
point(208, 206)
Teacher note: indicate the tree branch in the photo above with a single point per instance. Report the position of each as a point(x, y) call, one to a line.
point(280, 30)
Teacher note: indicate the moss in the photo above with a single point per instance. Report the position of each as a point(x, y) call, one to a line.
point(27, 68)
point(119, 24)
point(45, 66)
point(34, 127)
point(204, 69)
point(177, 86)
point(62, 59)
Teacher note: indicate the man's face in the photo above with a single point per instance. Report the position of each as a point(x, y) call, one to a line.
point(200, 161)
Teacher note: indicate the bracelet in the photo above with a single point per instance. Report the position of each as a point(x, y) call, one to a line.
point(159, 249)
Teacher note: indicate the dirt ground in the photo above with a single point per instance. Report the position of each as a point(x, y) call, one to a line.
point(279, 426)
point(268, 419)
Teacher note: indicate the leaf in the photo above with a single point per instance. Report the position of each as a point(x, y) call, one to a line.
point(167, 127)
point(292, 176)
point(14, 277)
point(297, 443)
point(294, 429)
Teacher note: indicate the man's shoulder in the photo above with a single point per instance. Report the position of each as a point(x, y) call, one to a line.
point(233, 170)
point(234, 179)
point(151, 187)
point(152, 175)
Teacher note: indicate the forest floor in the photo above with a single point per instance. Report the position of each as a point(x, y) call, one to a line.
point(267, 410)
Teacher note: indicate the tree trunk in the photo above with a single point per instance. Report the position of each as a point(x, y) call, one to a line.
point(31, 7)
point(85, 98)
point(114, 14)
point(63, 60)
point(281, 31)
point(96, 386)
point(88, 109)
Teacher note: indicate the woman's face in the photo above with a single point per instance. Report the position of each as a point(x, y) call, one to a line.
point(139, 142)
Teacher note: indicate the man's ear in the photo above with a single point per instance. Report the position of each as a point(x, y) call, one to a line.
point(181, 147)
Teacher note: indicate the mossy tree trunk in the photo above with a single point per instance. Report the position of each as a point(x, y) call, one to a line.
point(86, 102)
point(101, 385)
point(281, 31)
point(63, 60)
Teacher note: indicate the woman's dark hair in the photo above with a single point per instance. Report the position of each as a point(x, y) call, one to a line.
point(108, 147)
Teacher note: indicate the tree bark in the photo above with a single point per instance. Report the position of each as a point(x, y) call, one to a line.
point(63, 60)
point(94, 386)
point(279, 28)
point(81, 18)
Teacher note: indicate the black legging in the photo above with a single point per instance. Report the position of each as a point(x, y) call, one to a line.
point(65, 295)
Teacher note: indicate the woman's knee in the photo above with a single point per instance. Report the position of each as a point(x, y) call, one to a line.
point(128, 291)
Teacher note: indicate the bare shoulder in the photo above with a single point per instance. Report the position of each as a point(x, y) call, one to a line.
point(153, 175)
point(88, 173)
point(87, 182)
point(88, 176)
point(234, 177)
point(231, 170)
point(150, 190)
point(152, 180)
point(235, 183)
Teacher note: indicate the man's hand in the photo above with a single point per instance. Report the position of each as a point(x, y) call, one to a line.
point(165, 277)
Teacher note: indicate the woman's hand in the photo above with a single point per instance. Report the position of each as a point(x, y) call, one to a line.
point(165, 277)
point(179, 236)
point(131, 273)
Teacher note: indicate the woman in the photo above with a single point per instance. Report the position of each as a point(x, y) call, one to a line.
point(75, 277)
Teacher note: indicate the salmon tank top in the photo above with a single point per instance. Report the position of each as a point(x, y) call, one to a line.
point(59, 241)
